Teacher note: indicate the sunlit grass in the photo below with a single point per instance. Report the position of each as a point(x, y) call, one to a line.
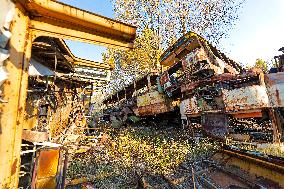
point(129, 153)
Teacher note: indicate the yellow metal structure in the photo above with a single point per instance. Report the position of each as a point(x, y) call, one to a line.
point(34, 18)
point(89, 63)
point(55, 19)
point(47, 169)
point(254, 166)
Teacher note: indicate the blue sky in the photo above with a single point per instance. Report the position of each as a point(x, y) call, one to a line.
point(259, 32)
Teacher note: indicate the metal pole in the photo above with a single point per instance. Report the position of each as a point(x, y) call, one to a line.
point(55, 65)
point(64, 169)
point(193, 177)
point(276, 125)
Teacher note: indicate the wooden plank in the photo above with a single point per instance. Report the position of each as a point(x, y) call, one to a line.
point(34, 136)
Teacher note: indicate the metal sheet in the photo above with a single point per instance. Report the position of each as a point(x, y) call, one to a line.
point(47, 169)
point(215, 124)
point(189, 107)
point(46, 183)
point(37, 68)
point(153, 97)
point(183, 107)
point(34, 136)
point(7, 11)
point(248, 115)
point(275, 89)
point(47, 163)
point(245, 98)
point(154, 109)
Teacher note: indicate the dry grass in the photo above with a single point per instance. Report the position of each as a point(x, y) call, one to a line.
point(127, 154)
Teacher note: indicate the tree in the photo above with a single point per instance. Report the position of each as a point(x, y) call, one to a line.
point(169, 19)
point(261, 64)
point(142, 59)
point(161, 22)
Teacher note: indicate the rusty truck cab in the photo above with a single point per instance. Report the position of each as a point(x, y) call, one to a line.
point(217, 93)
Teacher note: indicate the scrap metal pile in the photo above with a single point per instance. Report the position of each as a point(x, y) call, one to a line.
point(212, 90)
point(214, 96)
point(54, 114)
point(46, 90)
point(59, 96)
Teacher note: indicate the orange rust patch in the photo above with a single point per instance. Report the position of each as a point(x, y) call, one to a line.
point(268, 81)
point(8, 82)
point(278, 96)
point(48, 162)
point(248, 115)
point(14, 167)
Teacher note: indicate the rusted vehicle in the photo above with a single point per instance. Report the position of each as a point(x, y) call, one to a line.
point(219, 94)
point(192, 59)
point(214, 92)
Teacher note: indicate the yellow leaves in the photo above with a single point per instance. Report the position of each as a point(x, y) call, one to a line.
point(81, 150)
point(139, 150)
point(157, 154)
point(142, 58)
point(261, 64)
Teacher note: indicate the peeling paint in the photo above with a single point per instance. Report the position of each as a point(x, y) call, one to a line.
point(275, 89)
point(246, 98)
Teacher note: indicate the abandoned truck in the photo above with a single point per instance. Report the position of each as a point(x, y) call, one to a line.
point(211, 90)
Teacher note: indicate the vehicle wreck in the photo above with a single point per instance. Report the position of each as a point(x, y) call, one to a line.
point(215, 97)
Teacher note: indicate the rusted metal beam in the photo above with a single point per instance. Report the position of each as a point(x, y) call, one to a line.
point(74, 23)
point(14, 92)
point(89, 63)
point(64, 30)
point(269, 168)
point(276, 125)
point(34, 136)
